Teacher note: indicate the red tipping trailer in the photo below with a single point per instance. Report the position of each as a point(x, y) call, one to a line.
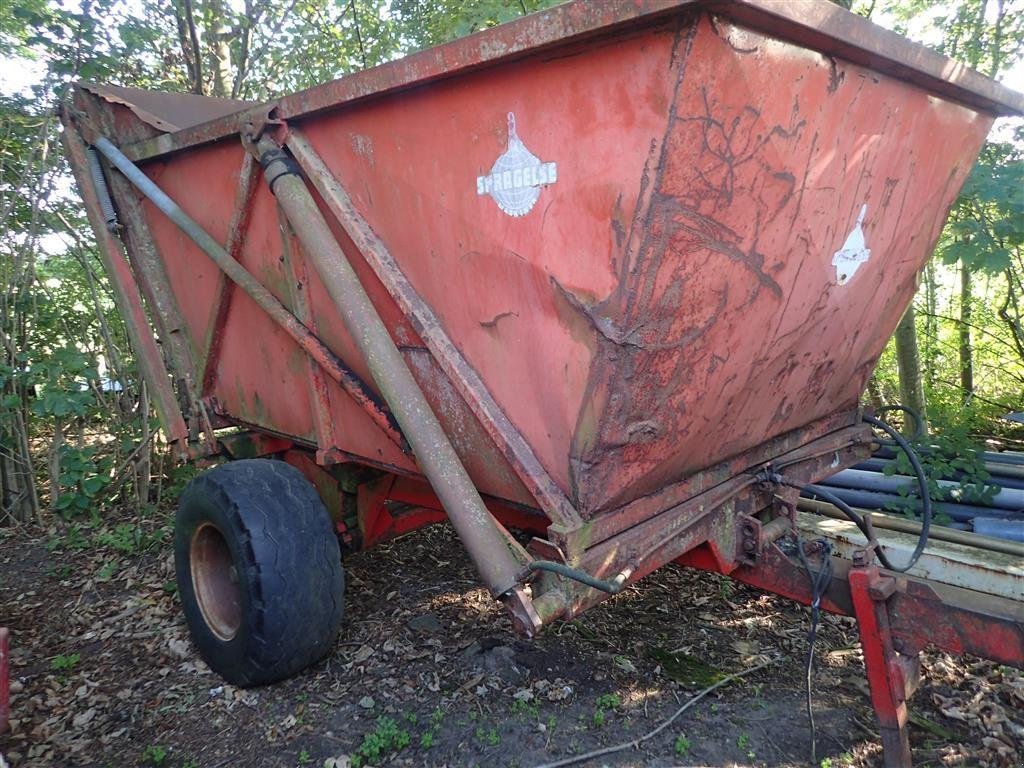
point(613, 274)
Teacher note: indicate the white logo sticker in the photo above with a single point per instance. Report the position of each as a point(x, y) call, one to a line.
point(516, 176)
point(854, 251)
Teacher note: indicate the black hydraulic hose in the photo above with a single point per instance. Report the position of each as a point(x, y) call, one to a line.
point(612, 587)
point(820, 582)
point(922, 482)
point(861, 522)
point(920, 433)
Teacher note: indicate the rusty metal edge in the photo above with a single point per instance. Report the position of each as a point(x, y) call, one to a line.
point(126, 294)
point(237, 229)
point(336, 368)
point(811, 440)
point(98, 89)
point(464, 378)
point(490, 547)
point(828, 29)
point(319, 395)
point(825, 27)
point(710, 516)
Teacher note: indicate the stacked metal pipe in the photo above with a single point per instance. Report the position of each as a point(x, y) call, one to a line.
point(1000, 514)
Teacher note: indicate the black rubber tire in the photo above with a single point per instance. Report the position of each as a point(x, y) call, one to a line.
point(287, 575)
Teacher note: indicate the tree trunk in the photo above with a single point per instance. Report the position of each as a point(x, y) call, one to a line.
point(966, 351)
point(908, 360)
point(875, 392)
point(220, 50)
point(931, 323)
point(188, 38)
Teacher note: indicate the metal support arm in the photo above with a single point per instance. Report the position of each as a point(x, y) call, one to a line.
point(489, 547)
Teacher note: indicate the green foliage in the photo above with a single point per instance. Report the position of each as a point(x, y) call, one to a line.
point(950, 455)
point(65, 662)
point(427, 24)
point(488, 737)
point(386, 738)
point(107, 571)
point(83, 475)
point(130, 539)
point(604, 703)
point(528, 708)
point(72, 538)
point(682, 746)
point(987, 223)
point(154, 755)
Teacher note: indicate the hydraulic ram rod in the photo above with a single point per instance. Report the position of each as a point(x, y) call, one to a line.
point(488, 545)
point(256, 290)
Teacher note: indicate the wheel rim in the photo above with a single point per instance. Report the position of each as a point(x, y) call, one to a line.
point(215, 580)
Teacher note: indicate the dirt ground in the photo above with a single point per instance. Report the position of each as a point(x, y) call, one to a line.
point(428, 673)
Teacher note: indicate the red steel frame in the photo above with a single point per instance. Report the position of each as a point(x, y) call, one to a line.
point(722, 518)
point(897, 617)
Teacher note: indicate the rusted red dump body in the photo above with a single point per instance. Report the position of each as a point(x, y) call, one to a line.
point(632, 254)
point(669, 301)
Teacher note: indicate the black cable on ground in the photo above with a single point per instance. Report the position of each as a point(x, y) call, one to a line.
point(820, 581)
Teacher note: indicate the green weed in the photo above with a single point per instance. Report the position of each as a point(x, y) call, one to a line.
point(154, 755)
point(65, 662)
point(488, 736)
point(528, 708)
point(386, 738)
point(682, 746)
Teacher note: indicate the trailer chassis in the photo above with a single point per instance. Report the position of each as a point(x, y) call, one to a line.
point(726, 519)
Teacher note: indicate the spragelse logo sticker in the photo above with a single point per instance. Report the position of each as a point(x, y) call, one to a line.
point(854, 252)
point(516, 176)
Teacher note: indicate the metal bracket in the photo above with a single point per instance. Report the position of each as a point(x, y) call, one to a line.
point(892, 676)
point(257, 122)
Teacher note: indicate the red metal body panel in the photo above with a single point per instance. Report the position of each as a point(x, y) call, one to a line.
point(729, 324)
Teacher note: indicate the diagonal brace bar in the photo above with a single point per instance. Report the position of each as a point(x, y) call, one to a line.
point(467, 381)
point(489, 546)
point(259, 293)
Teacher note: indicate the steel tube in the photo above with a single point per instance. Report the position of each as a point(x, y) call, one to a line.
point(255, 289)
point(1012, 530)
point(1006, 498)
point(1004, 457)
point(875, 500)
point(461, 374)
point(126, 296)
point(1002, 475)
point(487, 545)
point(891, 523)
